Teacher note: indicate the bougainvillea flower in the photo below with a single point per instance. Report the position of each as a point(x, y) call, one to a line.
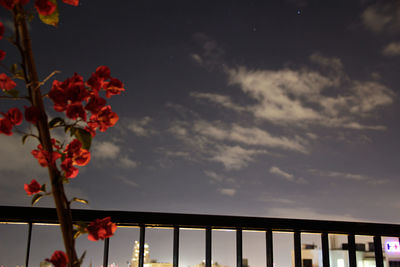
point(103, 72)
point(101, 229)
point(2, 54)
point(104, 119)
point(1, 30)
point(70, 170)
point(45, 7)
point(32, 114)
point(58, 259)
point(32, 188)
point(72, 2)
point(95, 83)
point(113, 87)
point(14, 115)
point(5, 126)
point(76, 153)
point(91, 130)
point(44, 157)
point(95, 104)
point(9, 4)
point(74, 111)
point(6, 83)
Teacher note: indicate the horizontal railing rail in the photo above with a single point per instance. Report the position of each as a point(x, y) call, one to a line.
point(177, 221)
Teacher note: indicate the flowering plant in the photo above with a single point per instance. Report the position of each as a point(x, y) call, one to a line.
point(84, 111)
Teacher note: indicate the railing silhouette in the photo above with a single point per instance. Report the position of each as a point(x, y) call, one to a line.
point(10, 214)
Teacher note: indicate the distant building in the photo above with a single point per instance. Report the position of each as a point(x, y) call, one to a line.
point(147, 262)
point(45, 264)
point(216, 264)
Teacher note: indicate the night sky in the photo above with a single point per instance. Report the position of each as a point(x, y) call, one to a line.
point(253, 108)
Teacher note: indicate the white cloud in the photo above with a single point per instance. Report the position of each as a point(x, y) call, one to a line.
point(302, 97)
point(348, 176)
point(210, 54)
point(127, 163)
point(216, 177)
point(333, 63)
point(308, 213)
point(105, 150)
point(222, 100)
point(279, 172)
point(141, 127)
point(126, 180)
point(228, 191)
point(383, 16)
point(392, 49)
point(235, 157)
point(248, 136)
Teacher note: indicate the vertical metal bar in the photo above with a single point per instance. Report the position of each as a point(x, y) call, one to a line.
point(208, 247)
point(141, 245)
point(28, 245)
point(378, 251)
point(105, 255)
point(176, 247)
point(239, 248)
point(297, 249)
point(325, 249)
point(270, 251)
point(352, 250)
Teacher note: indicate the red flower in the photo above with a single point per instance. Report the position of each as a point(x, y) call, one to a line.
point(58, 259)
point(72, 2)
point(91, 130)
point(2, 53)
point(32, 188)
point(77, 154)
point(44, 157)
point(103, 72)
point(32, 114)
point(6, 83)
point(74, 111)
point(45, 7)
point(95, 83)
point(104, 119)
point(70, 170)
point(5, 126)
point(101, 229)
point(14, 116)
point(1, 29)
point(95, 104)
point(113, 87)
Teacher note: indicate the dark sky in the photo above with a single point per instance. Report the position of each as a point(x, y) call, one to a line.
point(261, 108)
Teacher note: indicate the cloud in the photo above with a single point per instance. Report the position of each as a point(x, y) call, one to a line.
point(127, 163)
point(222, 100)
point(287, 176)
point(248, 136)
point(210, 54)
point(227, 191)
point(308, 213)
point(126, 180)
point(302, 97)
point(347, 176)
point(392, 49)
point(333, 63)
point(235, 157)
point(141, 127)
point(216, 177)
point(383, 16)
point(105, 150)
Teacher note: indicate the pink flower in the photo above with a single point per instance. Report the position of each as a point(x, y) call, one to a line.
point(32, 188)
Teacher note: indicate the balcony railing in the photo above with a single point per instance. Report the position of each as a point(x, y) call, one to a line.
point(33, 216)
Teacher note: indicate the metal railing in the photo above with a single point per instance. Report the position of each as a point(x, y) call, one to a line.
point(31, 216)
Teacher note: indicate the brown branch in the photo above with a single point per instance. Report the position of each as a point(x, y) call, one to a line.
point(31, 77)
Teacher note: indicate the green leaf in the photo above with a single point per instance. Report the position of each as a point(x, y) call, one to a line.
point(56, 122)
point(84, 136)
point(43, 188)
point(14, 68)
point(84, 201)
point(36, 198)
point(12, 93)
point(53, 18)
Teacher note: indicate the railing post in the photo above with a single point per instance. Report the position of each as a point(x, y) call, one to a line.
point(378, 251)
point(270, 250)
point(352, 250)
point(28, 245)
point(239, 248)
point(141, 245)
point(208, 247)
point(176, 247)
point(325, 249)
point(297, 249)
point(105, 255)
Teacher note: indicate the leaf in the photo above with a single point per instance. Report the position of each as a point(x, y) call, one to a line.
point(13, 93)
point(43, 188)
point(82, 257)
point(36, 198)
point(24, 138)
point(53, 18)
point(84, 136)
point(56, 122)
point(14, 68)
point(84, 201)
point(76, 233)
